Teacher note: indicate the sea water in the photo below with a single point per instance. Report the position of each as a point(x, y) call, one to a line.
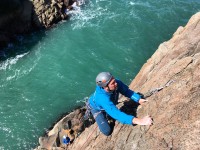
point(51, 72)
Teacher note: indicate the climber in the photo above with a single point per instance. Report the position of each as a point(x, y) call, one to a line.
point(102, 103)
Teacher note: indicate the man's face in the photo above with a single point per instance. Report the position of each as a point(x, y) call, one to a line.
point(112, 85)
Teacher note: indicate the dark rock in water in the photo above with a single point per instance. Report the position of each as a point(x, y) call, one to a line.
point(24, 16)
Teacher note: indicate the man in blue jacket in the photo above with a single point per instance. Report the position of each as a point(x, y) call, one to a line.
point(105, 98)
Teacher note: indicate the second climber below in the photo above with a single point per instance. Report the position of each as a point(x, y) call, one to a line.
point(103, 102)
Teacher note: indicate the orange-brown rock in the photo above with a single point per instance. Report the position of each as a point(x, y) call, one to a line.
point(174, 69)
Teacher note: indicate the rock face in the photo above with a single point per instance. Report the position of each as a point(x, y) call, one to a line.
point(171, 82)
point(48, 12)
point(172, 77)
point(70, 125)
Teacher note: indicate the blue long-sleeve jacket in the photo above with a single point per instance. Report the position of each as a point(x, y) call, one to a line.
point(102, 100)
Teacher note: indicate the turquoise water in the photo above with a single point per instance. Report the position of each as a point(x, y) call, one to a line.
point(51, 72)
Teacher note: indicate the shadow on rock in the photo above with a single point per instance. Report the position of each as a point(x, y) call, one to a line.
point(64, 132)
point(18, 28)
point(130, 107)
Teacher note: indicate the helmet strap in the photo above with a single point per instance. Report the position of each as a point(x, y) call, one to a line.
point(108, 89)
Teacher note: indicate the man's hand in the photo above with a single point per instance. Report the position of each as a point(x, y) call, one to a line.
point(142, 101)
point(147, 120)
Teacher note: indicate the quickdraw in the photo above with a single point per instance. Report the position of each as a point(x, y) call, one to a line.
point(155, 90)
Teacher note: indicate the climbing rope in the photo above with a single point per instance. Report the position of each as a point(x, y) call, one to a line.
point(153, 91)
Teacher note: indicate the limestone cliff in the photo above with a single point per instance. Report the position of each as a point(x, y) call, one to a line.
point(170, 80)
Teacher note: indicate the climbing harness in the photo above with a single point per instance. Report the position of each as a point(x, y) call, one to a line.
point(88, 111)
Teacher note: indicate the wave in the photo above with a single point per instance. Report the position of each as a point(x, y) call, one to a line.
point(91, 14)
point(11, 70)
point(11, 61)
point(82, 100)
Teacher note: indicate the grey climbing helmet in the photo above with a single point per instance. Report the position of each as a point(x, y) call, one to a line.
point(103, 79)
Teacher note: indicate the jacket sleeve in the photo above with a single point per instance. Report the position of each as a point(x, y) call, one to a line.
point(115, 113)
point(124, 90)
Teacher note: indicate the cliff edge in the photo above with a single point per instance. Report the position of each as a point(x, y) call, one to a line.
point(170, 80)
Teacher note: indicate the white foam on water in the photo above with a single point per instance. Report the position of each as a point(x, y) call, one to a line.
point(6, 129)
point(11, 61)
point(60, 76)
point(14, 71)
point(25, 98)
point(132, 3)
point(91, 16)
point(82, 100)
